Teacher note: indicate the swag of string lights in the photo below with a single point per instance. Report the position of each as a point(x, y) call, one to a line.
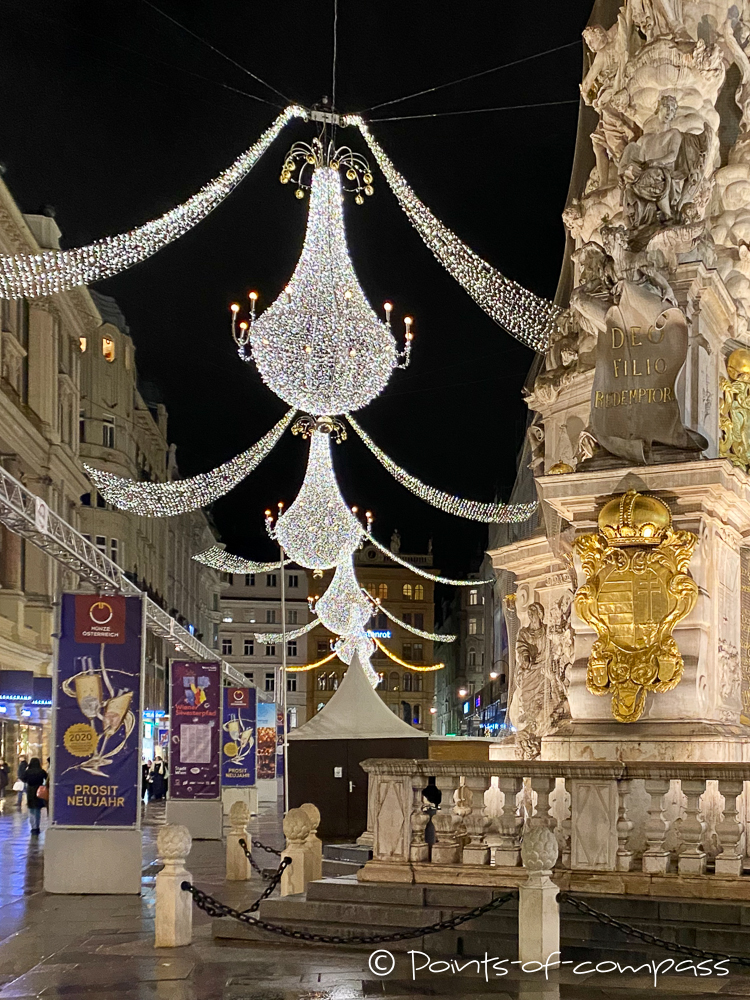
point(320, 348)
point(217, 558)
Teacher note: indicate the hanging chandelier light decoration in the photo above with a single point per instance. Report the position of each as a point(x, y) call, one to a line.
point(182, 495)
point(526, 316)
point(318, 531)
point(343, 609)
point(34, 275)
point(319, 346)
point(217, 558)
point(473, 510)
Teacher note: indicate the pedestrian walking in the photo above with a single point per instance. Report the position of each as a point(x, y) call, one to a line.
point(35, 777)
point(4, 777)
point(145, 775)
point(20, 785)
point(158, 778)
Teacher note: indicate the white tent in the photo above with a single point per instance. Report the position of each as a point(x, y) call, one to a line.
point(356, 712)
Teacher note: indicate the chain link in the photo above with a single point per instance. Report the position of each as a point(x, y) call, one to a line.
point(214, 908)
point(254, 865)
point(270, 850)
point(645, 936)
point(270, 887)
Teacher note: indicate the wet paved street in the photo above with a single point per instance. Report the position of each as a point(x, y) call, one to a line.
point(101, 946)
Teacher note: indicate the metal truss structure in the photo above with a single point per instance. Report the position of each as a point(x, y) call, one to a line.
point(27, 515)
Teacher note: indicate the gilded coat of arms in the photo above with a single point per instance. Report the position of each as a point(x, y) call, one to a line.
point(638, 588)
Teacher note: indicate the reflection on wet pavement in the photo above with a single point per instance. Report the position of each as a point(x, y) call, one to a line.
point(102, 946)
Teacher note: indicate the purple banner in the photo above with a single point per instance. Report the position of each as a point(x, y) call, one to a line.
point(279, 742)
point(97, 710)
point(194, 731)
point(266, 739)
point(238, 738)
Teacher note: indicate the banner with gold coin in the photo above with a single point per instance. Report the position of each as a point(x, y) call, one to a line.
point(238, 738)
point(97, 712)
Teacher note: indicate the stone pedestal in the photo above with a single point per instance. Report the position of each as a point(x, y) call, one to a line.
point(79, 862)
point(174, 906)
point(204, 819)
point(538, 910)
point(238, 866)
point(248, 795)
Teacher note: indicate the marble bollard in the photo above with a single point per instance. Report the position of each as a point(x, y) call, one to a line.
point(538, 909)
point(297, 827)
point(238, 866)
point(313, 843)
point(174, 906)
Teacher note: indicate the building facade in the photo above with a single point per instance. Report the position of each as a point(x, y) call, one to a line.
point(407, 689)
point(250, 604)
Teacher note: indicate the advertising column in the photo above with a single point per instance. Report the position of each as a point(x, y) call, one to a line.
point(238, 739)
point(94, 843)
point(194, 796)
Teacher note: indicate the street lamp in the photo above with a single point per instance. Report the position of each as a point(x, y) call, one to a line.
point(493, 675)
point(462, 692)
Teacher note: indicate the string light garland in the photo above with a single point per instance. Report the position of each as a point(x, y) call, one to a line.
point(402, 663)
point(473, 510)
point(319, 345)
point(318, 530)
point(432, 636)
point(527, 317)
point(217, 558)
point(34, 275)
point(421, 572)
point(271, 638)
point(182, 495)
point(310, 666)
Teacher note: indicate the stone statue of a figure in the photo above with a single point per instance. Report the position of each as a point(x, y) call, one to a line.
point(660, 172)
point(527, 705)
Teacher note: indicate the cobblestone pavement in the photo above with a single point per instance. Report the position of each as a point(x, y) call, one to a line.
point(81, 947)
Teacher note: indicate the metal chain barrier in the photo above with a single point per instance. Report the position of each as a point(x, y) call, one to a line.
point(270, 887)
point(214, 908)
point(645, 936)
point(254, 866)
point(270, 850)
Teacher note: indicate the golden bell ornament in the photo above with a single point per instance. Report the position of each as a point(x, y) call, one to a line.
point(289, 166)
point(359, 199)
point(284, 178)
point(299, 193)
point(351, 174)
point(369, 189)
point(310, 158)
point(367, 178)
point(335, 164)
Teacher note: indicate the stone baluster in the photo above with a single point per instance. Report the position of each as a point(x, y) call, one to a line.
point(174, 906)
point(446, 850)
point(565, 825)
point(538, 909)
point(624, 856)
point(729, 831)
point(297, 828)
point(509, 824)
point(238, 866)
point(541, 815)
point(462, 806)
point(692, 859)
point(493, 810)
point(655, 857)
point(476, 852)
point(418, 848)
point(313, 843)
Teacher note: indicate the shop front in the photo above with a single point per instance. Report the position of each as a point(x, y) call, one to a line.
point(25, 709)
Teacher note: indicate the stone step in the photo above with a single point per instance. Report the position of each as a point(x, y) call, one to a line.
point(335, 869)
point(347, 852)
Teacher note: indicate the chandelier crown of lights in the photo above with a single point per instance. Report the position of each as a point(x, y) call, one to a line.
point(319, 345)
point(305, 157)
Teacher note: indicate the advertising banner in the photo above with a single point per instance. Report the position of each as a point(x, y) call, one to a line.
point(266, 739)
point(97, 711)
point(280, 742)
point(194, 723)
point(238, 738)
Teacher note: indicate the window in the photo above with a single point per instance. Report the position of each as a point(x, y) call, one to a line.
point(472, 626)
point(417, 652)
point(291, 682)
point(250, 677)
point(291, 648)
point(270, 616)
point(393, 681)
point(323, 648)
point(418, 620)
point(417, 717)
point(381, 681)
point(249, 579)
point(333, 681)
point(83, 344)
point(294, 580)
point(320, 682)
point(270, 650)
point(108, 349)
point(270, 682)
point(383, 591)
point(473, 597)
point(407, 618)
point(226, 646)
point(417, 682)
point(270, 579)
point(81, 426)
point(108, 431)
point(100, 501)
point(291, 616)
point(249, 648)
point(419, 592)
point(472, 660)
point(292, 715)
point(101, 544)
point(381, 622)
point(114, 550)
point(407, 591)
point(406, 681)
point(406, 651)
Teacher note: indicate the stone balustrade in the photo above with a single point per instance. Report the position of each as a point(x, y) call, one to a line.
point(641, 821)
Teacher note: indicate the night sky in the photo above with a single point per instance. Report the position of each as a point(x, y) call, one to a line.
point(112, 115)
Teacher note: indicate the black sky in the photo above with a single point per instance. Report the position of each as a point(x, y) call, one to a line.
point(103, 120)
